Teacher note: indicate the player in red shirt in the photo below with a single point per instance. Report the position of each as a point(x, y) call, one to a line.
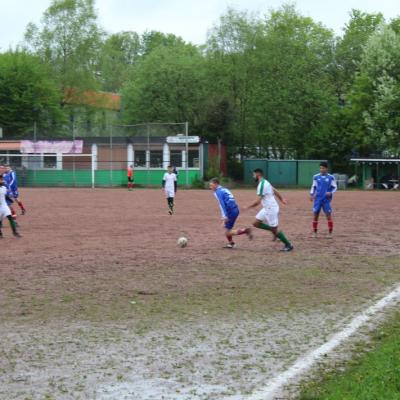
point(130, 177)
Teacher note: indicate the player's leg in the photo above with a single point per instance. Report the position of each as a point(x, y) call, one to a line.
point(168, 197)
point(229, 232)
point(13, 213)
point(170, 201)
point(172, 196)
point(236, 232)
point(269, 221)
point(272, 217)
point(328, 213)
point(18, 201)
point(261, 222)
point(316, 211)
point(1, 226)
point(242, 231)
point(13, 225)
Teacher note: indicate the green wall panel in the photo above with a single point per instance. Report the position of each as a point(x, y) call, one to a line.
point(282, 173)
point(83, 178)
point(250, 165)
point(306, 169)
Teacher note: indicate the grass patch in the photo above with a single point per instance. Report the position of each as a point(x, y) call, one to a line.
point(369, 375)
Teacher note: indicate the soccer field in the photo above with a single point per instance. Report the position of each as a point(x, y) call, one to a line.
point(99, 302)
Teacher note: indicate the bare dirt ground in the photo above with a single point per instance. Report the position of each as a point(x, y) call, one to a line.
point(98, 302)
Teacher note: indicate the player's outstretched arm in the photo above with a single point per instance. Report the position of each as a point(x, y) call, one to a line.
point(255, 204)
point(279, 197)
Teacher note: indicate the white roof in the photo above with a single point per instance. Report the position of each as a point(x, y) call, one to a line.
point(395, 160)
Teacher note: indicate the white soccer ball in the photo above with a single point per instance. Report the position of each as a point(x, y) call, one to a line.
point(182, 242)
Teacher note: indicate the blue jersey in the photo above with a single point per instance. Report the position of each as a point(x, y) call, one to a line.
point(10, 179)
point(227, 202)
point(323, 184)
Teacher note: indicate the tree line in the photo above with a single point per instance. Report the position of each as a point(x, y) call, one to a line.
point(277, 84)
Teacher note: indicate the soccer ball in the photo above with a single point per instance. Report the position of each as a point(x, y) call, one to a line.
point(182, 242)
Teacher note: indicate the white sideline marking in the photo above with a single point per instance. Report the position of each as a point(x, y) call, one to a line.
point(306, 362)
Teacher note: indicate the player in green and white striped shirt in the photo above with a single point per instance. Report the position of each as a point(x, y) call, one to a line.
point(268, 217)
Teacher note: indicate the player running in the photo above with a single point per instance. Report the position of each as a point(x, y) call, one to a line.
point(5, 210)
point(10, 179)
point(268, 217)
point(229, 212)
point(129, 174)
point(169, 184)
point(322, 189)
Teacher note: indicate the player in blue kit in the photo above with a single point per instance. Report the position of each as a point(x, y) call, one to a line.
point(5, 210)
point(322, 189)
point(10, 179)
point(229, 212)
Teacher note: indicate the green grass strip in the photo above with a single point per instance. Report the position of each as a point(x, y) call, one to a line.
point(370, 375)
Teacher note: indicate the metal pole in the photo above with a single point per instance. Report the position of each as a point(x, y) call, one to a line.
point(35, 163)
point(73, 160)
point(149, 153)
point(111, 155)
point(187, 152)
point(92, 166)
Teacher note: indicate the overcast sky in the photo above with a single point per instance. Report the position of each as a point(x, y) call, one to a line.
point(189, 19)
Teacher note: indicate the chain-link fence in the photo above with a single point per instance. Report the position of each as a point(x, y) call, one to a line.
point(103, 160)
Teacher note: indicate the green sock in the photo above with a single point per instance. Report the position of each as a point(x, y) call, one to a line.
point(281, 236)
point(12, 224)
point(265, 226)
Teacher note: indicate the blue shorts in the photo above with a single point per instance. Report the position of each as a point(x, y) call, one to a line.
point(324, 204)
point(231, 219)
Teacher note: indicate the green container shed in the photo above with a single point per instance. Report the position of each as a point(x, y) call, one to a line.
point(306, 169)
point(250, 165)
point(282, 172)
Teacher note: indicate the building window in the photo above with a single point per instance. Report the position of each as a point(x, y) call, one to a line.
point(194, 158)
point(140, 158)
point(34, 162)
point(156, 159)
point(50, 161)
point(176, 158)
point(15, 162)
point(7, 158)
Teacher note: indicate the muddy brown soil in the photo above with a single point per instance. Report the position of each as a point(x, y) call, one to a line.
point(98, 301)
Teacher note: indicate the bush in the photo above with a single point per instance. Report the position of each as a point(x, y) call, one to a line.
point(198, 183)
point(235, 170)
point(213, 170)
point(227, 182)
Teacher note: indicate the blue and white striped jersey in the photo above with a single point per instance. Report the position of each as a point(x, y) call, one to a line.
point(227, 202)
point(323, 184)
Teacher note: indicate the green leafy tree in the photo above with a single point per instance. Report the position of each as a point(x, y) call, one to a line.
point(151, 40)
point(349, 48)
point(230, 52)
point(28, 94)
point(294, 94)
point(69, 40)
point(118, 54)
point(375, 96)
point(167, 85)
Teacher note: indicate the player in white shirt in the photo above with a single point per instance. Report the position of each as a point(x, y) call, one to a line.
point(5, 210)
point(169, 184)
point(268, 217)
